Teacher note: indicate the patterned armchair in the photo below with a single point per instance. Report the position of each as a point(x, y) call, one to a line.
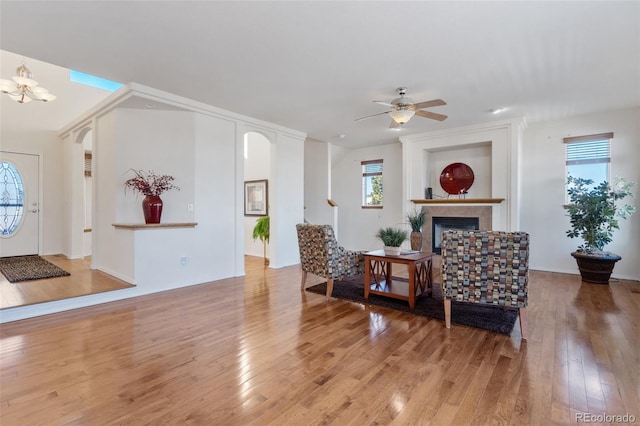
point(321, 255)
point(486, 267)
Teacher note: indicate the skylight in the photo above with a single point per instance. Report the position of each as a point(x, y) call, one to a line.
point(93, 81)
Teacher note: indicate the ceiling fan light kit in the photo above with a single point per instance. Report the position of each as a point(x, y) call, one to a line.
point(23, 88)
point(402, 115)
point(403, 109)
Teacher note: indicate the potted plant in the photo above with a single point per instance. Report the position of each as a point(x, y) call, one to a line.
point(392, 238)
point(416, 219)
point(594, 215)
point(261, 232)
point(151, 186)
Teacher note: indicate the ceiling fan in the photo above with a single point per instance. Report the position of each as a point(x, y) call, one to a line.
point(402, 109)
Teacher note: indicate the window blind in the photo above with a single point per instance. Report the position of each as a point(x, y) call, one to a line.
point(372, 168)
point(589, 149)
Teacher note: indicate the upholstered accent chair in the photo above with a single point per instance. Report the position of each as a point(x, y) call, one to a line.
point(488, 268)
point(320, 254)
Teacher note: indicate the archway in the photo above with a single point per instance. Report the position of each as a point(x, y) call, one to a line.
point(81, 179)
point(257, 174)
point(87, 240)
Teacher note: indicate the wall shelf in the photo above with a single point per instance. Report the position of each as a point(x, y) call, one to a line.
point(459, 201)
point(154, 225)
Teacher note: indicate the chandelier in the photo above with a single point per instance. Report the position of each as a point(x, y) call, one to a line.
point(23, 88)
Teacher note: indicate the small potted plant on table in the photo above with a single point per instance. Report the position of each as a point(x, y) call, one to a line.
point(594, 216)
point(416, 219)
point(392, 238)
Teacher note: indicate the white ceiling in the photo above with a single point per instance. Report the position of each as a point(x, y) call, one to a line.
point(316, 66)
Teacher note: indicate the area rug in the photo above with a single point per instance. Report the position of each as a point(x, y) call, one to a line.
point(27, 268)
point(488, 318)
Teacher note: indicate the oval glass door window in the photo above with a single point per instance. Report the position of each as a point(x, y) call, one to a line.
point(11, 199)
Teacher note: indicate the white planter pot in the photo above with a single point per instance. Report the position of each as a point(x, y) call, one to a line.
point(392, 251)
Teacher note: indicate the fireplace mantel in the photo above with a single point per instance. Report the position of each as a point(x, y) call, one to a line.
point(459, 201)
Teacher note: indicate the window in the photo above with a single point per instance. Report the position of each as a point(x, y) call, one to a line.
point(372, 184)
point(87, 163)
point(588, 157)
point(12, 199)
point(93, 81)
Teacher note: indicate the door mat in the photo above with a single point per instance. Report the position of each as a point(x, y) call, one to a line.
point(27, 268)
point(489, 318)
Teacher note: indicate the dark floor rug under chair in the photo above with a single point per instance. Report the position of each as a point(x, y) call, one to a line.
point(27, 268)
point(487, 318)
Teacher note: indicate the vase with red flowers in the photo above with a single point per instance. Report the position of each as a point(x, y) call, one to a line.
point(151, 185)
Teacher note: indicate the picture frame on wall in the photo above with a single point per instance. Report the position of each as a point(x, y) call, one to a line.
point(256, 197)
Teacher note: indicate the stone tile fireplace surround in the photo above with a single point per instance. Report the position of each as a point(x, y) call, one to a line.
point(483, 213)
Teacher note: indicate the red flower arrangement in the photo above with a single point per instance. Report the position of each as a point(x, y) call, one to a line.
point(148, 183)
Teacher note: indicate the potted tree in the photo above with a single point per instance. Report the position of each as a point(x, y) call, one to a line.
point(392, 238)
point(416, 219)
point(594, 215)
point(261, 232)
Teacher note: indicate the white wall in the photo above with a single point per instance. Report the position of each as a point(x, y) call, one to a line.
point(543, 189)
point(317, 183)
point(287, 199)
point(199, 152)
point(358, 226)
point(477, 157)
point(162, 142)
point(257, 166)
point(112, 249)
point(158, 141)
point(215, 250)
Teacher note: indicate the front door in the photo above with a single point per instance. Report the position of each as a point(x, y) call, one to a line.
point(19, 204)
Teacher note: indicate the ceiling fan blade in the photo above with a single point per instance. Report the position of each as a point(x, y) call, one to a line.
point(369, 116)
point(431, 115)
point(383, 103)
point(393, 125)
point(427, 104)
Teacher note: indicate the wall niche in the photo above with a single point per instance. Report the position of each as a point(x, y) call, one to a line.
point(477, 156)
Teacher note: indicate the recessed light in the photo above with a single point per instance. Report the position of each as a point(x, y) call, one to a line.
point(151, 105)
point(497, 110)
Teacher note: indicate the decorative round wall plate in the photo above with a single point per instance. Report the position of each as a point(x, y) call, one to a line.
point(456, 178)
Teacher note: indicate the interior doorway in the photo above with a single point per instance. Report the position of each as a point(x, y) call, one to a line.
point(87, 234)
point(257, 168)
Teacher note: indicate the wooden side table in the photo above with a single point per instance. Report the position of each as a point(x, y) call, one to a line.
point(378, 277)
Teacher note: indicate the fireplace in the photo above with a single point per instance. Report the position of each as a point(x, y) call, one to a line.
point(440, 224)
point(482, 213)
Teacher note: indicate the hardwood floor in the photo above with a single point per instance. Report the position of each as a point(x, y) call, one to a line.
point(256, 351)
point(81, 282)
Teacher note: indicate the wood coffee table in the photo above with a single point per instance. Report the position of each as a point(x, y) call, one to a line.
point(379, 280)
